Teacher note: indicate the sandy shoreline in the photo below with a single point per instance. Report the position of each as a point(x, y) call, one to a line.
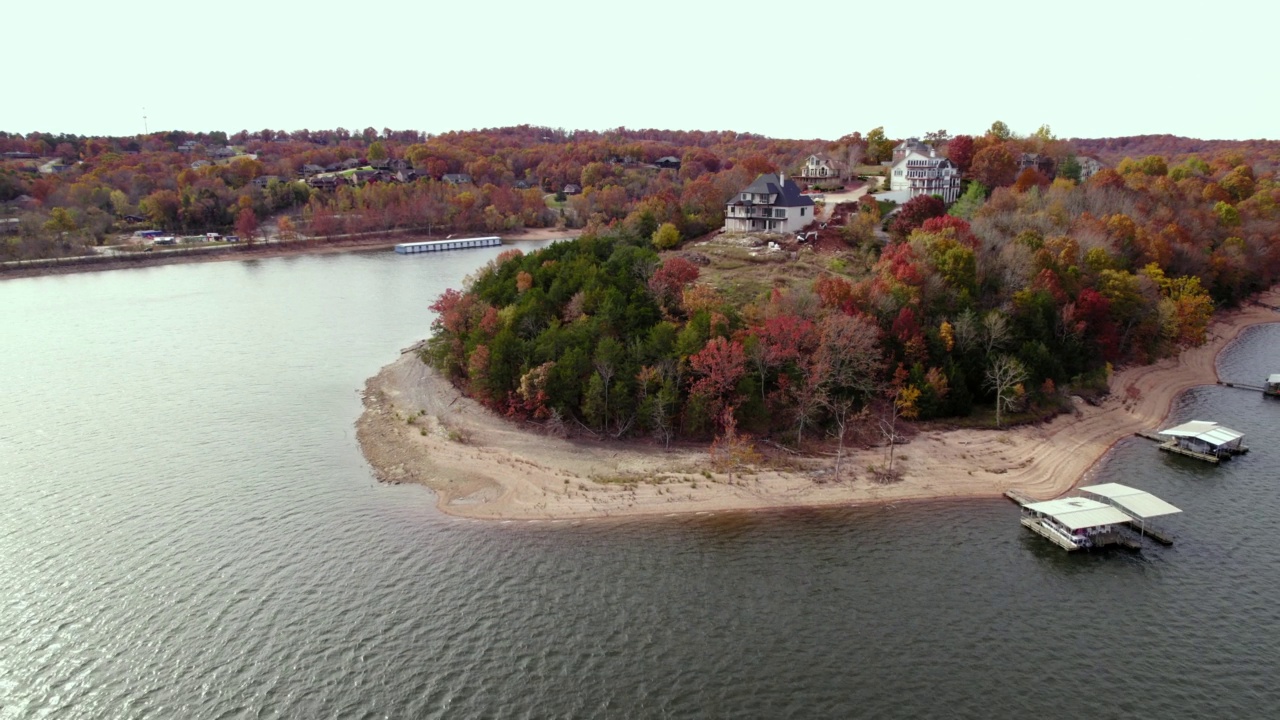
point(416, 427)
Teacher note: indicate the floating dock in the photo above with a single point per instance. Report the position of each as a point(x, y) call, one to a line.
point(1018, 497)
point(1172, 446)
point(1199, 439)
point(1076, 523)
point(441, 245)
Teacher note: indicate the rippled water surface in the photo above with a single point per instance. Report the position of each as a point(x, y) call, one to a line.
point(189, 530)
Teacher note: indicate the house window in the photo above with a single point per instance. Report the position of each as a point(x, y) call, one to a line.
point(802, 212)
point(780, 213)
point(898, 173)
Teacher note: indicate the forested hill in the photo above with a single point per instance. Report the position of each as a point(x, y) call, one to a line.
point(1262, 155)
point(1000, 304)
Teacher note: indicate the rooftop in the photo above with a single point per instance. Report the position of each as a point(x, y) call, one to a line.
point(1078, 513)
point(788, 192)
point(1210, 432)
point(1131, 500)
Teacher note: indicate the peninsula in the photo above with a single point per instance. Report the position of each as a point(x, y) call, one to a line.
point(418, 428)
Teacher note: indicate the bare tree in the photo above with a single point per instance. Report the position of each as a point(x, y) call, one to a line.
point(1005, 373)
point(841, 410)
point(966, 330)
point(995, 331)
point(901, 404)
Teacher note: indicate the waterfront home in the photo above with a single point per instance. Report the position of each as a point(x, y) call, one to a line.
point(328, 182)
point(917, 170)
point(773, 203)
point(1040, 163)
point(821, 169)
point(1088, 167)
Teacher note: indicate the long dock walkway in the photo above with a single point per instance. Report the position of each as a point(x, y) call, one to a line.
point(1242, 386)
point(1018, 497)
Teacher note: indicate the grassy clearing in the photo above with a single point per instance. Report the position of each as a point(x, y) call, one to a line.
point(743, 278)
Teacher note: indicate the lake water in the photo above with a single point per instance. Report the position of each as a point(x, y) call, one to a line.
point(188, 530)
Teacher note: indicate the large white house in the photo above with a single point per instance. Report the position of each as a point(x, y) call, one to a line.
point(917, 170)
point(770, 204)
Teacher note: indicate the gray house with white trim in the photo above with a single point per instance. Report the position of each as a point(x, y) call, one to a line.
point(772, 203)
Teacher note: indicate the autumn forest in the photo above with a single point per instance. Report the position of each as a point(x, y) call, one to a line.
point(1031, 286)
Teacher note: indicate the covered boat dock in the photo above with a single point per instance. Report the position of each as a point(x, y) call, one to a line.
point(1273, 385)
point(1139, 505)
point(1075, 523)
point(1204, 440)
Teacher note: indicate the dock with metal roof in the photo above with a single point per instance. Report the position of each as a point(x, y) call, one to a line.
point(1140, 505)
point(1074, 523)
point(1203, 440)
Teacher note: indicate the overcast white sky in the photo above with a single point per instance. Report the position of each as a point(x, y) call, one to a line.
point(783, 69)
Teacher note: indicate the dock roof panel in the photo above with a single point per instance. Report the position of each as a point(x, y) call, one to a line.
point(1132, 500)
point(1210, 432)
point(1274, 378)
point(1078, 513)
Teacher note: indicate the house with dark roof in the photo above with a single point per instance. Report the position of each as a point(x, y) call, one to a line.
point(1043, 164)
point(670, 162)
point(360, 177)
point(773, 203)
point(327, 182)
point(309, 170)
point(456, 178)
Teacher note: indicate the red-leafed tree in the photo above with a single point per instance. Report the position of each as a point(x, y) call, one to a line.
point(719, 365)
point(914, 213)
point(670, 279)
point(1029, 178)
point(247, 225)
point(960, 151)
point(834, 292)
point(959, 226)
